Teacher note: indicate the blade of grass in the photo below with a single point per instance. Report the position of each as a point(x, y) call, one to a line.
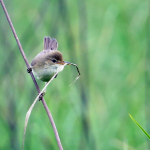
point(140, 127)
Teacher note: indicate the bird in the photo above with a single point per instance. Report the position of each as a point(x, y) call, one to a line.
point(49, 61)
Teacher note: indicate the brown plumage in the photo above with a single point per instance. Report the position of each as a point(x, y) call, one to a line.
point(45, 56)
point(43, 62)
point(49, 61)
point(50, 52)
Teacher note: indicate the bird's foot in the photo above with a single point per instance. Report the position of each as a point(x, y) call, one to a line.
point(29, 70)
point(41, 96)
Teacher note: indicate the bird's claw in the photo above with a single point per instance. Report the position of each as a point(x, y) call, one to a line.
point(41, 96)
point(29, 70)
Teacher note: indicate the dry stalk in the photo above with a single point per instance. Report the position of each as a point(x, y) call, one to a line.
point(32, 76)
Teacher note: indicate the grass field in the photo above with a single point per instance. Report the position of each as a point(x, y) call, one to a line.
point(109, 41)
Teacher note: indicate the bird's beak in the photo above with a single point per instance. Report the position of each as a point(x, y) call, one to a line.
point(68, 63)
point(64, 62)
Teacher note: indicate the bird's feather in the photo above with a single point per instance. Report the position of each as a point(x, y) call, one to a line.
point(50, 44)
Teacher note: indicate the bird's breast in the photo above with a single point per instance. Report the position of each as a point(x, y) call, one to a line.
point(46, 73)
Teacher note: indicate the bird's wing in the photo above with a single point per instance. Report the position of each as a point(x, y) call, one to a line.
point(39, 60)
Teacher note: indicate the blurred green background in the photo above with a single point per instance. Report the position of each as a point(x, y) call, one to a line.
point(109, 41)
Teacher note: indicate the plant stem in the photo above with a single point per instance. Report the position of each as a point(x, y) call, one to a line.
point(32, 76)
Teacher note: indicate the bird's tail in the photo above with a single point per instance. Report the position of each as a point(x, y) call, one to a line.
point(50, 43)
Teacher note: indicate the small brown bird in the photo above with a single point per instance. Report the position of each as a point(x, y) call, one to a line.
point(49, 61)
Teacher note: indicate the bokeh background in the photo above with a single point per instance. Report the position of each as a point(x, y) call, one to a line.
point(109, 41)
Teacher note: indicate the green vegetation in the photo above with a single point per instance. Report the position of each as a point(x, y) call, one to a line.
point(148, 136)
point(108, 40)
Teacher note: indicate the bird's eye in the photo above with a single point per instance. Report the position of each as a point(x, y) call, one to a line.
point(53, 60)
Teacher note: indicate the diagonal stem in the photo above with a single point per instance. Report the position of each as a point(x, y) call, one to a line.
point(32, 76)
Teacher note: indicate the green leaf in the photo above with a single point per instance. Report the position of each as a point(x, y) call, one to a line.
point(140, 126)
